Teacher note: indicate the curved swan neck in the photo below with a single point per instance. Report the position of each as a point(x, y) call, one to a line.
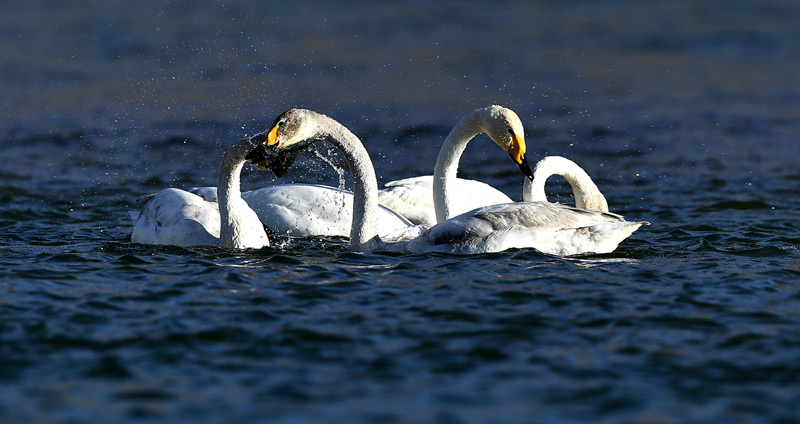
point(229, 196)
point(364, 229)
point(533, 191)
point(586, 193)
point(447, 163)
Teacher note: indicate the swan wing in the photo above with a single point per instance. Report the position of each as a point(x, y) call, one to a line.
point(551, 228)
point(208, 194)
point(413, 197)
point(177, 217)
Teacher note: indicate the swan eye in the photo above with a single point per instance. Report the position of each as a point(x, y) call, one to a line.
point(510, 131)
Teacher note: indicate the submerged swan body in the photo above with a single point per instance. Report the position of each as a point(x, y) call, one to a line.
point(584, 190)
point(179, 218)
point(550, 228)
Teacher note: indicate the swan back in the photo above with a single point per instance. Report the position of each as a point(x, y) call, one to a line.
point(177, 218)
point(303, 210)
point(550, 228)
point(413, 197)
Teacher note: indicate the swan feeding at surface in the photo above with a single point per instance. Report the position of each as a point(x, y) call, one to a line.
point(584, 190)
point(179, 218)
point(548, 227)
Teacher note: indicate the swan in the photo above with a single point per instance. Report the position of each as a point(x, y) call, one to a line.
point(414, 197)
point(584, 190)
point(305, 210)
point(179, 218)
point(551, 228)
point(302, 125)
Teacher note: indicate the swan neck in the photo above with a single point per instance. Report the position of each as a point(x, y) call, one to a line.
point(364, 229)
point(229, 194)
point(584, 190)
point(533, 191)
point(444, 173)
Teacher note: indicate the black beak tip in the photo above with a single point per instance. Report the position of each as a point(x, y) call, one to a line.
point(525, 168)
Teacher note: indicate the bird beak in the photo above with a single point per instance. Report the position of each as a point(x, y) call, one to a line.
point(272, 136)
point(517, 153)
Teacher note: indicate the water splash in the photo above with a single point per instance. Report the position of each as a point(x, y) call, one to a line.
point(340, 171)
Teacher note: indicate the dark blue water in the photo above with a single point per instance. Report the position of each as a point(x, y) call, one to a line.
point(686, 113)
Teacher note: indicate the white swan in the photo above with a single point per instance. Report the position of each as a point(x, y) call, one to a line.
point(304, 210)
point(548, 227)
point(179, 218)
point(414, 197)
point(300, 125)
point(584, 190)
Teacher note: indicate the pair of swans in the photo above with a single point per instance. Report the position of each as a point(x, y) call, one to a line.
point(550, 228)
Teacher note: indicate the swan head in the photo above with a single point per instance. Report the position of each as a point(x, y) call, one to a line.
point(265, 156)
point(504, 127)
point(292, 132)
point(295, 126)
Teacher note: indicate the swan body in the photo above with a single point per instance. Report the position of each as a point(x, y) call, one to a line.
point(549, 227)
point(305, 210)
point(413, 197)
point(585, 192)
point(179, 218)
point(176, 217)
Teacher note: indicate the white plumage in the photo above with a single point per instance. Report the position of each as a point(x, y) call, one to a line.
point(548, 227)
point(413, 197)
point(304, 210)
point(179, 218)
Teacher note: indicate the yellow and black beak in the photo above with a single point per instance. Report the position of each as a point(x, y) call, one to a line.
point(273, 135)
point(517, 153)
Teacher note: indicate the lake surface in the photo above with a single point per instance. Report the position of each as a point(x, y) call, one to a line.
point(686, 114)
